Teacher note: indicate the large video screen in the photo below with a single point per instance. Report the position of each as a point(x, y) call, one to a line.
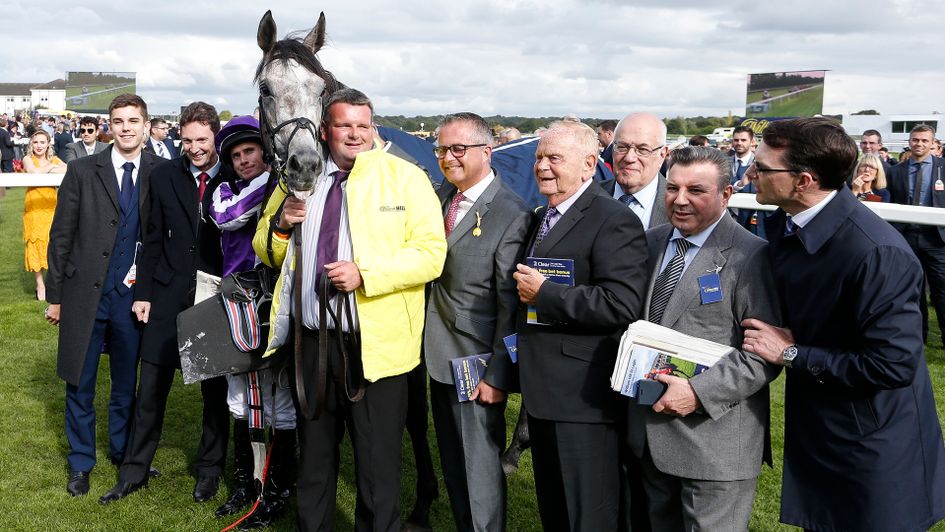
point(786, 94)
point(91, 92)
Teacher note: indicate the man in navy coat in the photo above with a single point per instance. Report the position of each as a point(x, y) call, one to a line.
point(863, 447)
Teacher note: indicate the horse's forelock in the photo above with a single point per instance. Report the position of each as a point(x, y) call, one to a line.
point(292, 48)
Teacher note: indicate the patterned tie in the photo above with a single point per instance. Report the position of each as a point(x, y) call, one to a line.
point(127, 185)
point(202, 187)
point(550, 215)
point(666, 281)
point(917, 187)
point(328, 231)
point(628, 199)
point(450, 222)
point(159, 146)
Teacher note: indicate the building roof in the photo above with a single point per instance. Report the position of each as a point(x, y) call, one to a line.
point(16, 89)
point(56, 84)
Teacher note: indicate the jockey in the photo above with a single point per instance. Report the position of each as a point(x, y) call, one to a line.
point(234, 210)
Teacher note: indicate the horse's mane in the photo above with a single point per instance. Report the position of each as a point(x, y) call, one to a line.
point(292, 48)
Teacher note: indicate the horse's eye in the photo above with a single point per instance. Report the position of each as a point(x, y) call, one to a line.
point(264, 91)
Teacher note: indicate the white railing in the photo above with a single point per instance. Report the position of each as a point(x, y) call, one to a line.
point(891, 212)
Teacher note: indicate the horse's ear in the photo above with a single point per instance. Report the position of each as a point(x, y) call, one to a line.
point(316, 38)
point(266, 34)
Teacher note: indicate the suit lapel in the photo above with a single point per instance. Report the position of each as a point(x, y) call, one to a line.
point(656, 239)
point(480, 207)
point(106, 175)
point(186, 190)
point(710, 258)
point(144, 181)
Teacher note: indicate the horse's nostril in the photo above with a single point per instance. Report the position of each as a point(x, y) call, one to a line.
point(294, 164)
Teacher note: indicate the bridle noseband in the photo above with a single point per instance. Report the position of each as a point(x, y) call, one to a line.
point(277, 161)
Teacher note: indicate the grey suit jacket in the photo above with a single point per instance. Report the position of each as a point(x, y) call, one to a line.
point(658, 216)
point(472, 305)
point(728, 438)
point(76, 150)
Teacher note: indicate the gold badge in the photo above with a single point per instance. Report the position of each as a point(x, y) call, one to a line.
point(478, 230)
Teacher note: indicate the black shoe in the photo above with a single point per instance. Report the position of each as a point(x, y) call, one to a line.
point(78, 483)
point(122, 490)
point(269, 509)
point(240, 498)
point(206, 488)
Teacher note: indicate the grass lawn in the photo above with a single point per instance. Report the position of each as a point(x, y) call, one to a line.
point(32, 450)
point(807, 103)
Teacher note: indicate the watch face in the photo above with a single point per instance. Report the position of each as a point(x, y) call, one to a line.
point(790, 352)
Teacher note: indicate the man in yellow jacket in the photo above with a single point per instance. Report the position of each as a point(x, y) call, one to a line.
point(373, 228)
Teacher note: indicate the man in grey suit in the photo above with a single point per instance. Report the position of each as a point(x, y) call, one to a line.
point(89, 145)
point(471, 309)
point(702, 444)
point(639, 148)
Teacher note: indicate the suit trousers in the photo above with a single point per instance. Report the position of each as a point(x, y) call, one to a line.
point(692, 505)
point(471, 438)
point(576, 474)
point(150, 406)
point(375, 425)
point(929, 248)
point(115, 323)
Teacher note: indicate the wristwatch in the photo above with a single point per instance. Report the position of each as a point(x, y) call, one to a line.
point(788, 355)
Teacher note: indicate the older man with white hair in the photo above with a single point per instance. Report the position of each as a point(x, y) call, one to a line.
point(639, 148)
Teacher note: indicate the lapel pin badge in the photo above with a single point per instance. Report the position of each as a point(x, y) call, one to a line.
point(478, 230)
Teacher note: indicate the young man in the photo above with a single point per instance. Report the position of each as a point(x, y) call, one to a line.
point(89, 145)
point(180, 239)
point(102, 210)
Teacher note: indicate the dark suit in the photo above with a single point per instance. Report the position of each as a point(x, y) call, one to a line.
point(658, 215)
point(564, 368)
point(927, 241)
point(718, 450)
point(91, 247)
point(61, 140)
point(863, 447)
point(168, 145)
point(76, 150)
point(471, 309)
point(6, 151)
point(178, 241)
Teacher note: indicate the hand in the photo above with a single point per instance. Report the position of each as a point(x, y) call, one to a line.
point(766, 341)
point(743, 182)
point(487, 394)
point(679, 399)
point(52, 314)
point(857, 184)
point(529, 283)
point(293, 212)
point(344, 275)
point(142, 310)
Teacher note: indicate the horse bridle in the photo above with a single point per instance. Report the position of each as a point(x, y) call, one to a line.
point(276, 161)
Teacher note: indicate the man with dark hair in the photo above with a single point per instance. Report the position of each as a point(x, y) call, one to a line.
point(925, 173)
point(101, 212)
point(605, 137)
point(372, 231)
point(180, 240)
point(886, 158)
point(702, 444)
point(699, 140)
point(89, 145)
point(871, 141)
point(471, 309)
point(158, 143)
point(63, 138)
point(743, 144)
point(863, 447)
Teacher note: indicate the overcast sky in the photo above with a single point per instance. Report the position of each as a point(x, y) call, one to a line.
point(594, 58)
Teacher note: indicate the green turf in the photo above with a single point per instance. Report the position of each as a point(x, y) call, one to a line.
point(807, 103)
point(100, 100)
point(33, 446)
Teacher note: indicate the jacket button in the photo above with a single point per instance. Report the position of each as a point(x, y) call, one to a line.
point(193, 248)
point(96, 286)
point(105, 254)
point(113, 223)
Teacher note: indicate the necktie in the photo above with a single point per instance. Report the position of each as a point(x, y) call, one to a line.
point(127, 185)
point(628, 199)
point(917, 187)
point(328, 231)
point(789, 226)
point(545, 226)
point(202, 187)
point(738, 170)
point(159, 146)
point(452, 212)
point(666, 281)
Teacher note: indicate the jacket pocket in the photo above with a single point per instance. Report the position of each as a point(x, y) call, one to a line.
point(865, 415)
point(68, 270)
point(580, 351)
point(483, 329)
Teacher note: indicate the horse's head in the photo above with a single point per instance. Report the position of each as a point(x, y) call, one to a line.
point(292, 84)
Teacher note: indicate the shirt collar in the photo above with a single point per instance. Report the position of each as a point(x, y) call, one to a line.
point(118, 161)
point(566, 204)
point(211, 173)
point(645, 196)
point(699, 238)
point(804, 217)
point(472, 193)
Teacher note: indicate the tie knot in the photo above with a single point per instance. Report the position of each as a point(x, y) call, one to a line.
point(789, 226)
point(551, 213)
point(682, 246)
point(340, 176)
point(128, 166)
point(203, 177)
point(458, 198)
point(627, 199)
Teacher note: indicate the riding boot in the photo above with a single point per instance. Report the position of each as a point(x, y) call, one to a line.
point(280, 481)
point(244, 487)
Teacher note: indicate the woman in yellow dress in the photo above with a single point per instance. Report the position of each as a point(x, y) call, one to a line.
point(40, 206)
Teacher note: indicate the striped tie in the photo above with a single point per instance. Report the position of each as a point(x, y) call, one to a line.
point(545, 227)
point(666, 281)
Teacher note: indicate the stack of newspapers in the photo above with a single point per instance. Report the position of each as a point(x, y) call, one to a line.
point(647, 349)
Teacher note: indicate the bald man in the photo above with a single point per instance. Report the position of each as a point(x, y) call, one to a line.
point(639, 148)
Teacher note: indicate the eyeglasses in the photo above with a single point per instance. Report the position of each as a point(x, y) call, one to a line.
point(458, 150)
point(758, 170)
point(623, 149)
point(87, 130)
